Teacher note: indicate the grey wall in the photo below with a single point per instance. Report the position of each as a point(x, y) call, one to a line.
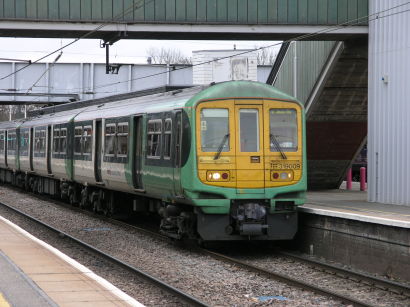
point(90, 81)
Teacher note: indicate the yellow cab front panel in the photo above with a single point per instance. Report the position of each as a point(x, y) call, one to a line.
point(249, 143)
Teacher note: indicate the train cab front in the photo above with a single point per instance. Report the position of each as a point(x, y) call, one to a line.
point(250, 159)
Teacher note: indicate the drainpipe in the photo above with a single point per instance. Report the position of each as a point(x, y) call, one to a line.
point(295, 70)
point(168, 73)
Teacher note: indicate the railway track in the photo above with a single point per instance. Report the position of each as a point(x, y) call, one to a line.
point(398, 288)
point(330, 269)
point(185, 297)
point(381, 283)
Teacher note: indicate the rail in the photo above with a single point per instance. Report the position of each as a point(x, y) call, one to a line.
point(371, 280)
point(192, 301)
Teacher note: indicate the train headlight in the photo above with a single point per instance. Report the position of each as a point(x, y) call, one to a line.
point(279, 175)
point(217, 176)
point(284, 176)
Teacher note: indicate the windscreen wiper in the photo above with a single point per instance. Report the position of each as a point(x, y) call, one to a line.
point(274, 140)
point(221, 146)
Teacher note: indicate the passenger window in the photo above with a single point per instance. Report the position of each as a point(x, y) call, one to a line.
point(24, 136)
point(87, 140)
point(11, 141)
point(2, 143)
point(77, 139)
point(42, 141)
point(109, 140)
point(122, 139)
point(37, 141)
point(63, 140)
point(154, 139)
point(167, 138)
point(56, 140)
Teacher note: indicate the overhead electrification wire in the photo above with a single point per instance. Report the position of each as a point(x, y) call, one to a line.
point(122, 14)
point(350, 23)
point(15, 60)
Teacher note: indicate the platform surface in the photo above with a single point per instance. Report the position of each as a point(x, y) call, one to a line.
point(32, 273)
point(353, 204)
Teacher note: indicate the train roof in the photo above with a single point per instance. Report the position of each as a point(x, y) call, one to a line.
point(54, 118)
point(97, 101)
point(10, 125)
point(241, 89)
point(181, 98)
point(154, 103)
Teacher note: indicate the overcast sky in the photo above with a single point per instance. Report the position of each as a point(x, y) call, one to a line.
point(124, 51)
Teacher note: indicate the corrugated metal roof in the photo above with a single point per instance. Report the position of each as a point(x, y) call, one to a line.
point(302, 66)
point(312, 12)
point(389, 104)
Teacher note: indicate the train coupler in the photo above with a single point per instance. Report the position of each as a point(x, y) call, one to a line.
point(248, 218)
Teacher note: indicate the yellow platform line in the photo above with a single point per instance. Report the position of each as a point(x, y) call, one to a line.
point(3, 302)
point(330, 206)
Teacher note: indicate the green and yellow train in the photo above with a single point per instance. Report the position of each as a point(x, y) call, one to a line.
point(221, 162)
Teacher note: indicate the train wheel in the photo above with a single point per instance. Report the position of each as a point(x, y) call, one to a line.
point(106, 211)
point(84, 198)
point(108, 205)
point(96, 206)
point(72, 199)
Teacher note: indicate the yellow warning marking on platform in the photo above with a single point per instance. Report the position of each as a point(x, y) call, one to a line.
point(355, 209)
point(3, 302)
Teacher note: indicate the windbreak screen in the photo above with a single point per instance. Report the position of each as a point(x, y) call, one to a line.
point(283, 129)
point(214, 129)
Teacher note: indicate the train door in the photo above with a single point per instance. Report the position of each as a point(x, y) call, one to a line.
point(177, 130)
point(137, 176)
point(98, 149)
point(30, 148)
point(48, 146)
point(250, 164)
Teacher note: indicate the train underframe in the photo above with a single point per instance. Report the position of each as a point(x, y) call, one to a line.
point(248, 219)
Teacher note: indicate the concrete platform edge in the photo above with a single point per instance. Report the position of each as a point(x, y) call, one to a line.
point(106, 284)
point(354, 216)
